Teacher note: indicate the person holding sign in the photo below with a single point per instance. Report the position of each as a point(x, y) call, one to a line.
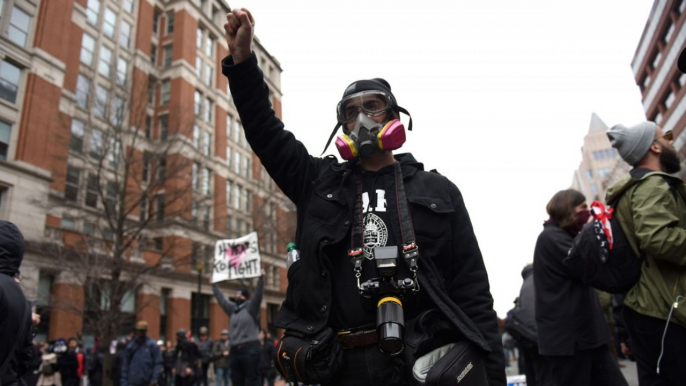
point(244, 332)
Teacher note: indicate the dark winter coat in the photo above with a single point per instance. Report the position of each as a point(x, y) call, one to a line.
point(95, 367)
point(187, 355)
point(451, 271)
point(221, 361)
point(13, 306)
point(69, 368)
point(142, 363)
point(568, 314)
point(205, 347)
point(521, 320)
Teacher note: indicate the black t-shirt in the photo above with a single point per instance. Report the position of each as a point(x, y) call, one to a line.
point(347, 311)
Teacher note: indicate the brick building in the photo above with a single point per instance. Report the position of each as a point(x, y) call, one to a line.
point(100, 100)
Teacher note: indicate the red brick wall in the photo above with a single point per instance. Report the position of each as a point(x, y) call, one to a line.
point(185, 31)
point(65, 318)
point(178, 316)
point(218, 320)
point(219, 204)
point(149, 310)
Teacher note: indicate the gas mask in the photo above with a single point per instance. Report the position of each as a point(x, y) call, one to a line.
point(368, 137)
point(362, 101)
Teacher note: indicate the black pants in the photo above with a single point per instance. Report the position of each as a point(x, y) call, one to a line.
point(368, 366)
point(532, 365)
point(646, 341)
point(243, 362)
point(203, 373)
point(595, 367)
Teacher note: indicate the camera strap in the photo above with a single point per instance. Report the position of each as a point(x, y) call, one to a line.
point(410, 251)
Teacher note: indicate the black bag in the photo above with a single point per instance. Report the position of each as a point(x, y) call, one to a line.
point(613, 270)
point(309, 358)
point(440, 354)
point(519, 330)
point(47, 369)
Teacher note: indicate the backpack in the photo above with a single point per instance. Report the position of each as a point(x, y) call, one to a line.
point(602, 255)
point(519, 330)
point(47, 369)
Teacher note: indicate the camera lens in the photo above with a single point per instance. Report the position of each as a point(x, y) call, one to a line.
point(390, 323)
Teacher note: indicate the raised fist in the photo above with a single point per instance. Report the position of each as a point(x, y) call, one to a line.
point(239, 29)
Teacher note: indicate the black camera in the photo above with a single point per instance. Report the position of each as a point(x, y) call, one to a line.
point(387, 293)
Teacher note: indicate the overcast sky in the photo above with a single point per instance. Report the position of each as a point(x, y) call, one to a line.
point(501, 93)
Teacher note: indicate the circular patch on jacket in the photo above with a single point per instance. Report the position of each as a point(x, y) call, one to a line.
point(375, 234)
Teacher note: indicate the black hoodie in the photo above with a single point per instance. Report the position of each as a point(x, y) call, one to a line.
point(13, 303)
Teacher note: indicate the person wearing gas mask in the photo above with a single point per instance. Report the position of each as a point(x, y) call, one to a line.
point(376, 233)
point(572, 332)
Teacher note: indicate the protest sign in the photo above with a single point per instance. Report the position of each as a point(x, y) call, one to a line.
point(236, 259)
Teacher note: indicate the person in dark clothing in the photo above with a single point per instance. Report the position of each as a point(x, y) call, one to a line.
point(220, 354)
point(16, 347)
point(572, 332)
point(96, 365)
point(266, 366)
point(115, 368)
point(205, 347)
point(68, 364)
point(33, 374)
point(244, 321)
point(167, 364)
point(322, 285)
point(187, 360)
point(142, 362)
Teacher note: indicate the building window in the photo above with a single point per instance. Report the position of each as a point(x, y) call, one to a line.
point(158, 243)
point(105, 61)
point(167, 55)
point(196, 136)
point(228, 156)
point(145, 173)
point(198, 67)
point(237, 162)
point(159, 207)
point(206, 181)
point(208, 110)
point(247, 167)
point(101, 97)
point(228, 193)
point(5, 134)
point(200, 316)
point(87, 49)
point(156, 21)
point(197, 102)
point(18, 30)
point(83, 86)
point(164, 305)
point(92, 187)
point(96, 144)
point(237, 198)
point(237, 131)
point(165, 90)
point(657, 58)
point(128, 6)
point(164, 127)
point(77, 131)
point(122, 70)
point(170, 22)
point(669, 33)
point(209, 46)
point(194, 175)
point(68, 223)
point(110, 23)
point(207, 144)
point(89, 228)
point(206, 217)
point(209, 71)
point(198, 38)
point(148, 126)
point(669, 100)
point(9, 81)
point(71, 187)
point(93, 11)
point(153, 54)
point(125, 34)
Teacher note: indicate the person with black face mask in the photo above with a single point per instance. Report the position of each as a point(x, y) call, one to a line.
point(652, 212)
point(572, 332)
point(244, 338)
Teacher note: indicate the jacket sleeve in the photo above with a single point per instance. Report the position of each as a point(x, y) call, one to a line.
point(125, 362)
point(469, 287)
point(157, 360)
point(216, 350)
point(256, 301)
point(285, 158)
point(227, 305)
point(656, 222)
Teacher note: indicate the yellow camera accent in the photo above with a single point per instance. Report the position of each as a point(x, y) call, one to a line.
point(389, 299)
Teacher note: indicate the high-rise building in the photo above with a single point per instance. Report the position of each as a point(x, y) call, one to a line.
point(598, 158)
point(122, 156)
point(655, 71)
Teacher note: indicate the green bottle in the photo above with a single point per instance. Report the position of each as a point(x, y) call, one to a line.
point(293, 254)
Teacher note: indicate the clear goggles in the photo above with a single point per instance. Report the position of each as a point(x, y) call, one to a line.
point(372, 103)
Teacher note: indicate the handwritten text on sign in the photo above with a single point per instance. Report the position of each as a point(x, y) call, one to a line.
point(236, 259)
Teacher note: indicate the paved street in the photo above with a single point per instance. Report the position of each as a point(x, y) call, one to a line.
point(629, 371)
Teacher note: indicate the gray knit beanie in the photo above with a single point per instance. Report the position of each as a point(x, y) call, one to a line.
point(633, 142)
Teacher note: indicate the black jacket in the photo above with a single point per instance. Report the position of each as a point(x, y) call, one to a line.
point(568, 315)
point(451, 271)
point(13, 307)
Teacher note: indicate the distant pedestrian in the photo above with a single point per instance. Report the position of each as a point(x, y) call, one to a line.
point(244, 322)
point(205, 346)
point(220, 354)
point(142, 361)
point(266, 366)
point(68, 363)
point(49, 375)
point(115, 368)
point(187, 360)
point(167, 364)
point(572, 332)
point(96, 365)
